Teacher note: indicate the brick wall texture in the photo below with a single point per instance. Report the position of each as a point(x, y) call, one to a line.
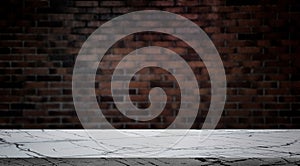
point(258, 41)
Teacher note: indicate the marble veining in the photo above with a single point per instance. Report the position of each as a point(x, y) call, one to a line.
point(108, 143)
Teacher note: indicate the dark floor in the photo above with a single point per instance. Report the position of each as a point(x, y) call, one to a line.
point(152, 161)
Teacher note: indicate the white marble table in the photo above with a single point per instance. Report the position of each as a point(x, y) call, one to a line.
point(108, 143)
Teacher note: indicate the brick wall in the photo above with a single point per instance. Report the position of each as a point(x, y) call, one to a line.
point(258, 42)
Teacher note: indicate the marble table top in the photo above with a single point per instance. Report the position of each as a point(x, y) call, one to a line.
point(149, 144)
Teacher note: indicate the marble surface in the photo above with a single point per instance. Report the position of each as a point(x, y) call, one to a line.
point(151, 161)
point(111, 143)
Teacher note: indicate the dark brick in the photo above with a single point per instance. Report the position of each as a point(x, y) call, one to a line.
point(50, 24)
point(161, 84)
point(11, 113)
point(5, 50)
point(22, 106)
point(56, 57)
point(137, 2)
point(254, 36)
point(241, 3)
point(11, 85)
point(48, 78)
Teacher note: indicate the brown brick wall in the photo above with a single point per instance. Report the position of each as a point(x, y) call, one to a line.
point(258, 42)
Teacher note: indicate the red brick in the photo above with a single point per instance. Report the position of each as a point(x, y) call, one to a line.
point(86, 3)
point(215, 2)
point(249, 50)
point(110, 3)
point(162, 3)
